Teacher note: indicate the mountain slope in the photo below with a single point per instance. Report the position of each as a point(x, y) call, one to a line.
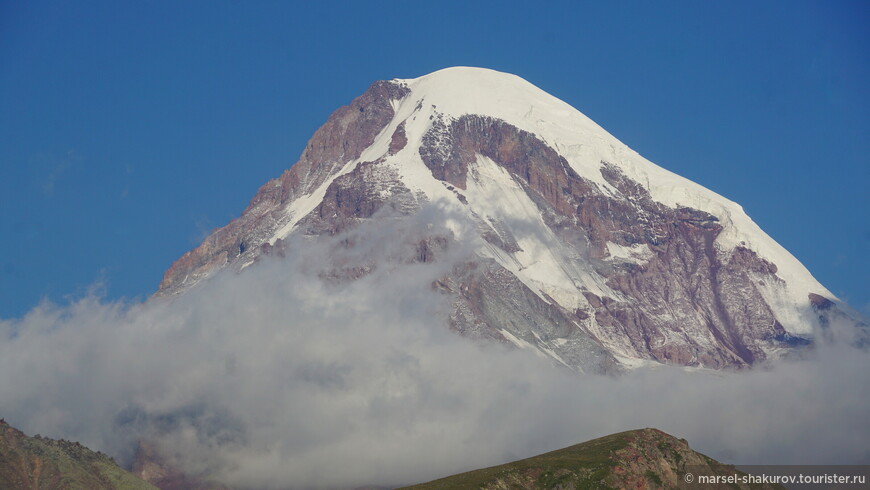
point(646, 458)
point(581, 250)
point(38, 462)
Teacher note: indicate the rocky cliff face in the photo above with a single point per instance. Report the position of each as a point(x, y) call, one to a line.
point(582, 250)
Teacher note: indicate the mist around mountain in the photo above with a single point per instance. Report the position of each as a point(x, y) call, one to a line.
point(258, 381)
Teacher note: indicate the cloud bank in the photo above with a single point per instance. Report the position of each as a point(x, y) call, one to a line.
point(273, 378)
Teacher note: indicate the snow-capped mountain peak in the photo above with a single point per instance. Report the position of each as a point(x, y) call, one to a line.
point(582, 249)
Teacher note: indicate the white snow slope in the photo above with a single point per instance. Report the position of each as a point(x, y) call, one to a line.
point(493, 195)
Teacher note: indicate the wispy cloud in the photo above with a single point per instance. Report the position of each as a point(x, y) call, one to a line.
point(57, 167)
point(53, 176)
point(271, 378)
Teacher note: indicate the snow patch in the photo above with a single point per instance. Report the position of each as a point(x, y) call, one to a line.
point(639, 253)
point(540, 350)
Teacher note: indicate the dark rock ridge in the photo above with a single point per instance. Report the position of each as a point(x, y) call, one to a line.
point(678, 298)
point(349, 130)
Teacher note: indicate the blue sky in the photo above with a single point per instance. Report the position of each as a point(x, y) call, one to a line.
point(128, 130)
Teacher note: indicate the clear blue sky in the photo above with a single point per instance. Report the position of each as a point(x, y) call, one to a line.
point(130, 129)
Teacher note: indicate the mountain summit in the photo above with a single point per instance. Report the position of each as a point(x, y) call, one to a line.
point(579, 248)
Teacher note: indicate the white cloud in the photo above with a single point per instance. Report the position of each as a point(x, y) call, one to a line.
point(271, 378)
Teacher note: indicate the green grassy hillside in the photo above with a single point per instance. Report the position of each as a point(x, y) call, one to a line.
point(48, 464)
point(638, 459)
